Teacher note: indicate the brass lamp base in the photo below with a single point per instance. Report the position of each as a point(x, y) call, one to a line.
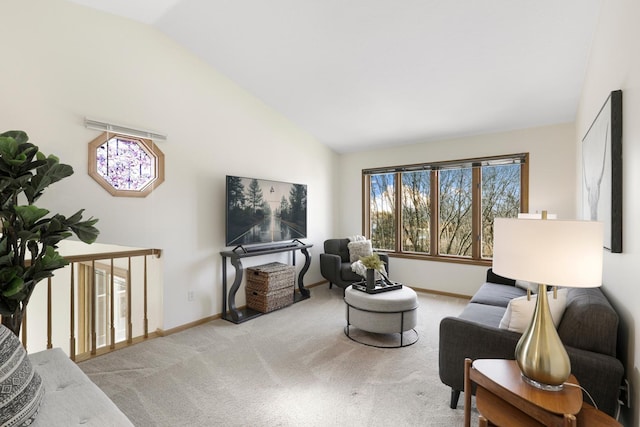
point(540, 354)
point(541, 386)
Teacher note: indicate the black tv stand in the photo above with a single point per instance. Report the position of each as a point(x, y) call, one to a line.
point(236, 315)
point(266, 247)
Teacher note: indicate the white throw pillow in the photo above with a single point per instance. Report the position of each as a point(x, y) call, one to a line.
point(520, 311)
point(359, 249)
point(533, 287)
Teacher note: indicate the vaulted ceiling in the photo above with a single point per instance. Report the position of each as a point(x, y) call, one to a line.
point(359, 74)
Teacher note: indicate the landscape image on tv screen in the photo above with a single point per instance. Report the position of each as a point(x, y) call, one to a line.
point(263, 211)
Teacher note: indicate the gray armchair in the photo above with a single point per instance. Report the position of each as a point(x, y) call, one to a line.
point(336, 267)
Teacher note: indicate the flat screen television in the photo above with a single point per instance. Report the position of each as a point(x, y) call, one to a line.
point(263, 211)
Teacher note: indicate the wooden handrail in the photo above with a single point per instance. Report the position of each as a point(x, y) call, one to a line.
point(113, 255)
point(108, 255)
point(90, 294)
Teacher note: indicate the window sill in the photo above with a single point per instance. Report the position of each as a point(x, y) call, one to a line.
point(441, 258)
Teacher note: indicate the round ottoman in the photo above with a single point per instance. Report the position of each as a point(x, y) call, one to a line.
point(392, 312)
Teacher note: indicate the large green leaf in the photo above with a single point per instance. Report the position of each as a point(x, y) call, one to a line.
point(4, 241)
point(6, 259)
point(19, 136)
point(17, 154)
point(50, 172)
point(11, 282)
point(13, 287)
point(30, 214)
point(34, 248)
point(8, 146)
point(52, 260)
point(27, 235)
point(86, 231)
point(17, 160)
point(4, 183)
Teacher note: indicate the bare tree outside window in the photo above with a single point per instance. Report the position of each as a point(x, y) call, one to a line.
point(500, 199)
point(382, 211)
point(455, 212)
point(416, 215)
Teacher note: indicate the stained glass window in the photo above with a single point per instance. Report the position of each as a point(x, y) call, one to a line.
point(126, 166)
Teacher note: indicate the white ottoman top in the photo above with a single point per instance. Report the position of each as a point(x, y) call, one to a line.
point(403, 299)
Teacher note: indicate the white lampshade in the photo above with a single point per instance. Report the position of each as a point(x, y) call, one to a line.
point(550, 252)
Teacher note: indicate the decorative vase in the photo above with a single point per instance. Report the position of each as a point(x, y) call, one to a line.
point(371, 279)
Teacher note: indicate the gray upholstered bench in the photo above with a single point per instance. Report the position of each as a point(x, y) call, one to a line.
point(70, 397)
point(48, 389)
point(393, 312)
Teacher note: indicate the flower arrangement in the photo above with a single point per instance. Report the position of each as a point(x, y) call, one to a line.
point(373, 262)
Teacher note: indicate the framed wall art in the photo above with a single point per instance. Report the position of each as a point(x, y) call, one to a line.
point(602, 171)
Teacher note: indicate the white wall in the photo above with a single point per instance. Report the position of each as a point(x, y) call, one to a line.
point(63, 62)
point(552, 187)
point(615, 64)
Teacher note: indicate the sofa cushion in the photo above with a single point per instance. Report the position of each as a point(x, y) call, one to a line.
point(488, 315)
point(347, 274)
point(519, 312)
point(495, 294)
point(589, 321)
point(21, 388)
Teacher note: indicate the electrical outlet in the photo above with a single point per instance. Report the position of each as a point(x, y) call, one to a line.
point(189, 295)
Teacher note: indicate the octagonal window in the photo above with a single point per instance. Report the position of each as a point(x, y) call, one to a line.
point(126, 166)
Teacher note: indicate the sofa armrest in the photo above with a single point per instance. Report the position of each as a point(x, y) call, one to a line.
point(461, 338)
point(600, 375)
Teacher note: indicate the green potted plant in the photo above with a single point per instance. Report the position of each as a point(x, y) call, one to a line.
point(29, 241)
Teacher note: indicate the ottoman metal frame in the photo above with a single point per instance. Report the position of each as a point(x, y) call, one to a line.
point(412, 341)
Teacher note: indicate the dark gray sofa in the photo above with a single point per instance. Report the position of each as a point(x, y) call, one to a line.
point(336, 267)
point(588, 329)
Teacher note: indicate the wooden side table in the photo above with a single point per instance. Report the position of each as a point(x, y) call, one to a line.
point(504, 399)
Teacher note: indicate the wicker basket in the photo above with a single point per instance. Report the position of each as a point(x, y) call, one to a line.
point(270, 286)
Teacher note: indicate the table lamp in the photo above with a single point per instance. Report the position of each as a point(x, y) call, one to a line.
point(547, 252)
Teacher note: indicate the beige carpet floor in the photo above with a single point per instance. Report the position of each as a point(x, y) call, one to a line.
point(291, 367)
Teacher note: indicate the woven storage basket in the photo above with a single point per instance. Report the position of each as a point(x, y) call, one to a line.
point(270, 286)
